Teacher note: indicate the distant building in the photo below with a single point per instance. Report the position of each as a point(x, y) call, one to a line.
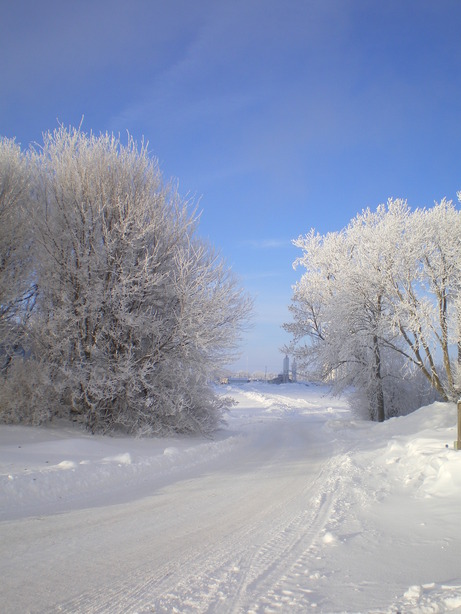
point(284, 377)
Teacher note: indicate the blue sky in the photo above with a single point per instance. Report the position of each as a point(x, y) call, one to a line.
point(276, 115)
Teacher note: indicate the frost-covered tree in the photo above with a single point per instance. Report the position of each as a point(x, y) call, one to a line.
point(372, 238)
point(355, 320)
point(340, 309)
point(134, 312)
point(425, 289)
point(16, 286)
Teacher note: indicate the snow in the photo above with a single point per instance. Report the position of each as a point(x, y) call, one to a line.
point(296, 505)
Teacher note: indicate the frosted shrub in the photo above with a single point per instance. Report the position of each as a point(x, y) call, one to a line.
point(134, 312)
point(26, 394)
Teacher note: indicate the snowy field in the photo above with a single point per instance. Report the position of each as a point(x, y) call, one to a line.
point(295, 506)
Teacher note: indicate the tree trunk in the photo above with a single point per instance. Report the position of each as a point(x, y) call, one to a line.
point(380, 413)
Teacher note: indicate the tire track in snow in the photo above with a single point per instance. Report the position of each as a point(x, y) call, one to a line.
point(245, 572)
point(269, 584)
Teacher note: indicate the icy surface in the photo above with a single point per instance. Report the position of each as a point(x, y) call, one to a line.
point(296, 506)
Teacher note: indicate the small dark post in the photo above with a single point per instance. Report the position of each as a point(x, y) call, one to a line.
point(457, 444)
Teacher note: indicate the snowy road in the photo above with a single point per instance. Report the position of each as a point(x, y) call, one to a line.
point(260, 523)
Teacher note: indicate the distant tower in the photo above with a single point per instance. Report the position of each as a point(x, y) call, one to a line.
point(293, 371)
point(286, 369)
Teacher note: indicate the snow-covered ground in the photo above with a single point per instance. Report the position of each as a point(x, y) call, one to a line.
point(295, 506)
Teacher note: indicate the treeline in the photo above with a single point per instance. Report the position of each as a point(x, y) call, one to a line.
point(113, 312)
point(378, 307)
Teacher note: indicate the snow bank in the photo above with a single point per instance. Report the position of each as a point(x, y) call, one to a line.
point(57, 468)
point(417, 452)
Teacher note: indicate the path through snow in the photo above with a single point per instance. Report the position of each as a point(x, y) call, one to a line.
point(295, 506)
